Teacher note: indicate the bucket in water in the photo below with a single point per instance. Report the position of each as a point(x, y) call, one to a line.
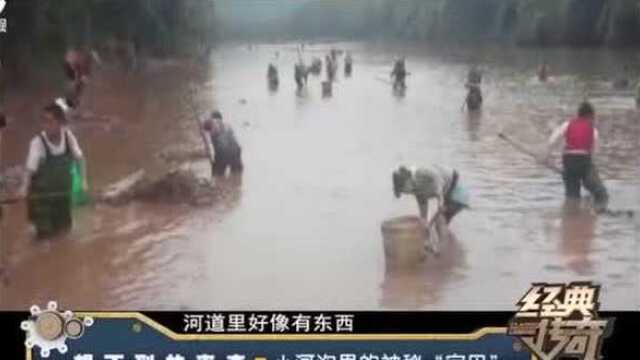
point(403, 240)
point(78, 196)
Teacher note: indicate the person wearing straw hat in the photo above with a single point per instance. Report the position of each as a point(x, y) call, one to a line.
point(439, 194)
point(48, 181)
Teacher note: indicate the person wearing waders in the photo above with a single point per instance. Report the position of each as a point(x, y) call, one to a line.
point(581, 140)
point(348, 64)
point(474, 97)
point(300, 74)
point(440, 198)
point(331, 68)
point(272, 75)
point(222, 146)
point(48, 183)
point(544, 72)
point(77, 67)
point(398, 74)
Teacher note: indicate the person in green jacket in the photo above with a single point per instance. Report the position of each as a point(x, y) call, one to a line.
point(48, 182)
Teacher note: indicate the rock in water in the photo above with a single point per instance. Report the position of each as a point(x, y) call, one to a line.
point(178, 187)
point(11, 178)
point(123, 190)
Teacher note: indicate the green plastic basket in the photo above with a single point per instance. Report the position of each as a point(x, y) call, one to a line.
point(78, 196)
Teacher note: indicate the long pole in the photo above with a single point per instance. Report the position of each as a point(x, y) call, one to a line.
point(15, 200)
point(526, 151)
point(194, 109)
point(519, 147)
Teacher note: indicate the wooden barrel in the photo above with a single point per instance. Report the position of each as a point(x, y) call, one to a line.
point(403, 240)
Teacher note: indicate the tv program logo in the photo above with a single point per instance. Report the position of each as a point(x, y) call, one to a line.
point(561, 320)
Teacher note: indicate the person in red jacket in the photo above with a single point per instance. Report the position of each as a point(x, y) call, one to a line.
point(581, 141)
point(77, 66)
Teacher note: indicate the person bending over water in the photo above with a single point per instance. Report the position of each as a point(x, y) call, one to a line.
point(439, 194)
point(222, 146)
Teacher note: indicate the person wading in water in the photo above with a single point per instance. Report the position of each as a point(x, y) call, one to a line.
point(272, 75)
point(77, 67)
point(222, 146)
point(474, 97)
point(300, 74)
point(474, 77)
point(439, 194)
point(398, 74)
point(544, 72)
point(581, 142)
point(48, 182)
point(331, 67)
point(348, 64)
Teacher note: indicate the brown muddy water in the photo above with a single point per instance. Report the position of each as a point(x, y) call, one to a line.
point(301, 230)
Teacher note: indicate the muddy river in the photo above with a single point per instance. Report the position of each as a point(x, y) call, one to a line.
point(301, 229)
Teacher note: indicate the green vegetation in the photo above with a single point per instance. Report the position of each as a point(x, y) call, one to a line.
point(41, 30)
point(524, 22)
